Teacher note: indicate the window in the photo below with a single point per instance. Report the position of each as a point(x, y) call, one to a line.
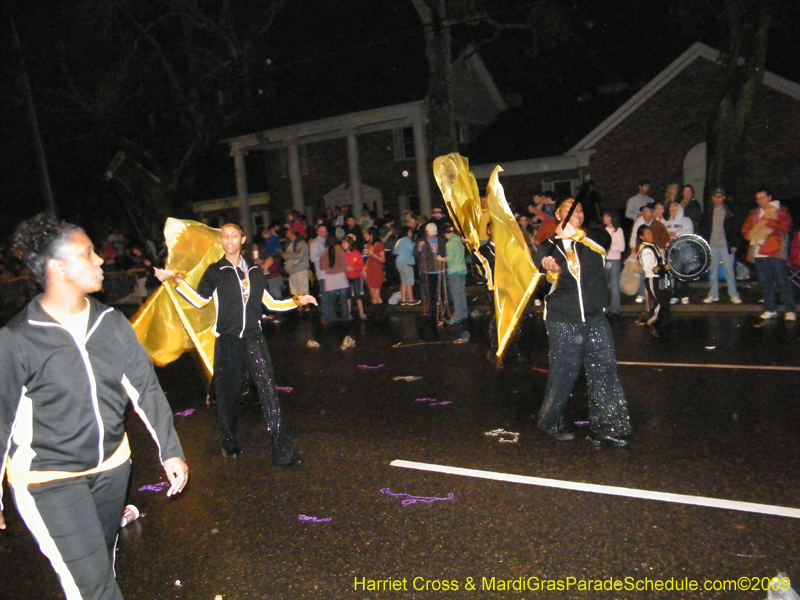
point(404, 143)
point(562, 189)
point(462, 132)
point(408, 203)
point(303, 159)
point(284, 160)
point(258, 222)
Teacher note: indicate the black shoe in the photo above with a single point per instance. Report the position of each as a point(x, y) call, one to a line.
point(563, 435)
point(295, 461)
point(231, 451)
point(609, 440)
point(230, 448)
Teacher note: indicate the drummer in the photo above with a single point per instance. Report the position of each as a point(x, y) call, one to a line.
point(656, 282)
point(678, 225)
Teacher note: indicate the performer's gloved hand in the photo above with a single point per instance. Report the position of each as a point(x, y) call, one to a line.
point(163, 274)
point(566, 231)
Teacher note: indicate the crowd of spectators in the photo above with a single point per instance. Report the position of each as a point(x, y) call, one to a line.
point(128, 266)
point(352, 262)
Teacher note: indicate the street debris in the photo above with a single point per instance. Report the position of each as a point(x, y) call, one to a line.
point(508, 437)
point(312, 519)
point(409, 499)
point(156, 487)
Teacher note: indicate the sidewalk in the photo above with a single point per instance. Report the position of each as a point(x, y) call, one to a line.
point(749, 291)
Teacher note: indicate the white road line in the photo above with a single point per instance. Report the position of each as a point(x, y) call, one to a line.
point(708, 366)
point(764, 509)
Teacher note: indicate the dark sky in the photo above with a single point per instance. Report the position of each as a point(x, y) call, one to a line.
point(327, 57)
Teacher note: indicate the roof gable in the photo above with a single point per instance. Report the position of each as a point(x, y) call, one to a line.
point(697, 50)
point(471, 79)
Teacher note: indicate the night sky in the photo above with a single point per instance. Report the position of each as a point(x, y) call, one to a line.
point(327, 57)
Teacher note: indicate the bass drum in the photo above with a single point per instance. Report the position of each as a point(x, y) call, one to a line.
point(688, 257)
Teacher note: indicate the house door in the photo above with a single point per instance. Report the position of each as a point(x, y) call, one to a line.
point(694, 170)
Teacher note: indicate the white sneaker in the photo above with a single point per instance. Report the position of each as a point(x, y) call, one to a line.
point(639, 299)
point(673, 300)
point(685, 300)
point(736, 300)
point(768, 314)
point(790, 316)
point(710, 299)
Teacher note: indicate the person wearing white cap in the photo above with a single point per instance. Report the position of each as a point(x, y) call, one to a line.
point(431, 255)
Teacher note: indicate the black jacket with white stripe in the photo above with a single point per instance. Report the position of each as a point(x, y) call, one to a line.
point(235, 315)
point(577, 299)
point(62, 402)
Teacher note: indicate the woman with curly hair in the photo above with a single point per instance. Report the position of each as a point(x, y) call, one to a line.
point(69, 368)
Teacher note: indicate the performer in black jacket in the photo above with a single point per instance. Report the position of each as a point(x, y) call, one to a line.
point(239, 290)
point(579, 333)
point(68, 368)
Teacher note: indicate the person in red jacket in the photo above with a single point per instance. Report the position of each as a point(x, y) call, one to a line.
point(768, 228)
point(355, 266)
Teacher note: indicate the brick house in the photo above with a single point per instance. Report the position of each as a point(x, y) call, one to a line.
point(376, 158)
point(659, 134)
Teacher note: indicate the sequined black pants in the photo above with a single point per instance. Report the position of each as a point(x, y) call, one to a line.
point(590, 345)
point(232, 356)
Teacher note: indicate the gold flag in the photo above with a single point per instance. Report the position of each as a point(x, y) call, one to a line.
point(515, 276)
point(167, 325)
point(460, 193)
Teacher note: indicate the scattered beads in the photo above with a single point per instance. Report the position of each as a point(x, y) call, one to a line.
point(409, 499)
point(312, 519)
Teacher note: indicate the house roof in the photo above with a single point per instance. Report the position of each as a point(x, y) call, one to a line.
point(517, 130)
point(469, 68)
point(697, 50)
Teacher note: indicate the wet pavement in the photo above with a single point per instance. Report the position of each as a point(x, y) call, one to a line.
point(346, 518)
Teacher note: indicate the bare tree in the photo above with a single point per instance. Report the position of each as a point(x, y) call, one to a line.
point(748, 23)
point(545, 23)
point(33, 121)
point(742, 29)
point(160, 80)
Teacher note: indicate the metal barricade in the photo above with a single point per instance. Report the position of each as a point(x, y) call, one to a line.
point(123, 287)
point(15, 294)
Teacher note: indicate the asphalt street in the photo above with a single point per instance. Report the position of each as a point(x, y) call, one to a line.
point(348, 524)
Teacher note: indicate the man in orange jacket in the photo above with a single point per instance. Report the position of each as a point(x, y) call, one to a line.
point(767, 229)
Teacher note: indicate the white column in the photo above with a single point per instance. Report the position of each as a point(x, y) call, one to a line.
point(296, 176)
point(423, 165)
point(355, 173)
point(242, 193)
